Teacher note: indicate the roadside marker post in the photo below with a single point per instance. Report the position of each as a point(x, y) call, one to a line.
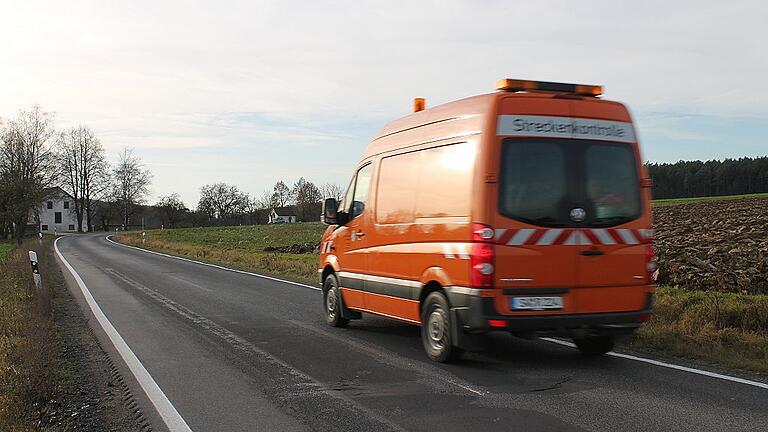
point(35, 270)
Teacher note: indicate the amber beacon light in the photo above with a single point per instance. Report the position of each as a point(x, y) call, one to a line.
point(516, 85)
point(419, 104)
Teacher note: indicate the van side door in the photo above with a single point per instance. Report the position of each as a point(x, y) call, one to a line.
point(351, 239)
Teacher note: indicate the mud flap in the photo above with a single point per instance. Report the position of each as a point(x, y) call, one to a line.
point(462, 339)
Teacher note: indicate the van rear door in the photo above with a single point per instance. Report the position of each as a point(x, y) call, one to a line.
point(569, 216)
point(613, 248)
point(533, 234)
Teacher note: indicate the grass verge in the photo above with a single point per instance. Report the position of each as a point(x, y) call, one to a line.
point(30, 374)
point(678, 201)
point(275, 250)
point(5, 249)
point(724, 328)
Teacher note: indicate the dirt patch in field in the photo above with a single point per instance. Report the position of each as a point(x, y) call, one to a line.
point(294, 248)
point(717, 245)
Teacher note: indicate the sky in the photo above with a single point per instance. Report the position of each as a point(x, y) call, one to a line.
point(251, 92)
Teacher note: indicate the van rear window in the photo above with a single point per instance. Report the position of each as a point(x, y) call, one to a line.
point(542, 180)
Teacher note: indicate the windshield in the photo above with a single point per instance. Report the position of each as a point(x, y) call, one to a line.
point(542, 180)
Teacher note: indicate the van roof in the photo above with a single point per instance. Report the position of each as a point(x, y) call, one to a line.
point(463, 115)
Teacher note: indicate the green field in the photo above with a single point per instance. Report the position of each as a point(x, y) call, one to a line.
point(677, 201)
point(278, 250)
point(251, 238)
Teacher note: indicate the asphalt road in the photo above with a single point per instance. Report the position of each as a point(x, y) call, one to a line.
point(234, 352)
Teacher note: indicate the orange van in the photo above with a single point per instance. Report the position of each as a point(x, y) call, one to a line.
point(526, 210)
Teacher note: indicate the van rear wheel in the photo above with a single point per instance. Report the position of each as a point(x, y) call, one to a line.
point(436, 329)
point(332, 302)
point(594, 345)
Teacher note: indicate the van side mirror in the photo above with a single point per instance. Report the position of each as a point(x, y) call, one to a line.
point(329, 216)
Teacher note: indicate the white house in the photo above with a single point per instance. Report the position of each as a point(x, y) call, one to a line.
point(57, 212)
point(282, 215)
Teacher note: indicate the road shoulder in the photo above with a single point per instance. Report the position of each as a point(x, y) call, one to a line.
point(99, 397)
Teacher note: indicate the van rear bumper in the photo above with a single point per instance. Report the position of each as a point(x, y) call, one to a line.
point(474, 314)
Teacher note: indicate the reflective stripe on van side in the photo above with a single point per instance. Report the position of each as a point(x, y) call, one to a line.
point(572, 237)
point(394, 287)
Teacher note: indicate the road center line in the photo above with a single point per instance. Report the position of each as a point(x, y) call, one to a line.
point(164, 407)
point(557, 341)
point(671, 366)
point(288, 373)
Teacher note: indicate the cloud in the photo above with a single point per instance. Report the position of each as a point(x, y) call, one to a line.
point(290, 80)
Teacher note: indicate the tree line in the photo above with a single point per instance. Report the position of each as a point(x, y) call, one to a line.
point(685, 179)
point(35, 158)
point(226, 204)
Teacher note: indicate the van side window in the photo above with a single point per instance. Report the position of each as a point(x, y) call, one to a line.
point(396, 193)
point(362, 186)
point(430, 183)
point(445, 181)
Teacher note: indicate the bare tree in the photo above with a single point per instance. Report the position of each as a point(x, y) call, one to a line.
point(26, 164)
point(307, 197)
point(222, 201)
point(261, 206)
point(130, 184)
point(332, 190)
point(281, 195)
point(264, 201)
point(84, 170)
point(172, 209)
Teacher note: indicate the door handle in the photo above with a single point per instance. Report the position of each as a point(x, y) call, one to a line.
point(592, 252)
point(360, 234)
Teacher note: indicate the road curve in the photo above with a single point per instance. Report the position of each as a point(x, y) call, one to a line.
point(234, 352)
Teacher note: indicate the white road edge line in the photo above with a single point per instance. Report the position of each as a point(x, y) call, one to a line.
point(671, 366)
point(214, 265)
point(557, 341)
point(164, 407)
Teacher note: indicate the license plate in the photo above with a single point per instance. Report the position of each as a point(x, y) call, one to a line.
point(537, 303)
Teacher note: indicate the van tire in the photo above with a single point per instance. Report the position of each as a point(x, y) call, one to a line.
point(594, 345)
point(436, 333)
point(332, 302)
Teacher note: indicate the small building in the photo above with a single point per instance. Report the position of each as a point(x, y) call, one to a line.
point(282, 215)
point(57, 213)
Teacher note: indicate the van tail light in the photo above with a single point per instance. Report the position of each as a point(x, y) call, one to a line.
point(482, 257)
point(497, 323)
point(650, 264)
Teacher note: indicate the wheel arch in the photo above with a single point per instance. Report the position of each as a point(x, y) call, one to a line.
point(433, 279)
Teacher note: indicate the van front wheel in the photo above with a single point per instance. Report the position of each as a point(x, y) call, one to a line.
point(436, 329)
point(594, 345)
point(332, 302)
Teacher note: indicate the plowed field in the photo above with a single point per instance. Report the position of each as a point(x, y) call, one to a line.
point(714, 245)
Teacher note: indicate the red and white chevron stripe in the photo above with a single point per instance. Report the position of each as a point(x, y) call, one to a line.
point(326, 247)
point(572, 236)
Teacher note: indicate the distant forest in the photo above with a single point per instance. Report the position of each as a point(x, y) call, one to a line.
point(696, 178)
